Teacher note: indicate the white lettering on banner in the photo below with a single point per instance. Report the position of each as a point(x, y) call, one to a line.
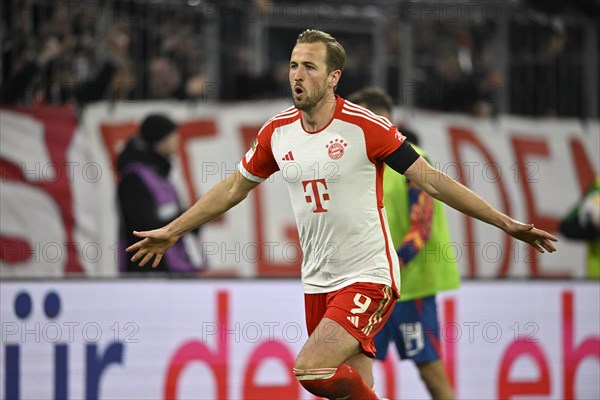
point(51, 337)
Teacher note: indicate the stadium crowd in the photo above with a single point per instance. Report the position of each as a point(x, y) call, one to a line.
point(84, 51)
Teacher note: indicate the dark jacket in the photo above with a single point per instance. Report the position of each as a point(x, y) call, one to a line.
point(148, 200)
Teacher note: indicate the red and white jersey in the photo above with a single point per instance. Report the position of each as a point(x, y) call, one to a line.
point(334, 177)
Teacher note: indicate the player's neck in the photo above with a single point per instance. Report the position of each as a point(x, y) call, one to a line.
point(317, 118)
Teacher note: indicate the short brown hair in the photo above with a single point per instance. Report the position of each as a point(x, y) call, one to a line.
point(336, 55)
point(373, 98)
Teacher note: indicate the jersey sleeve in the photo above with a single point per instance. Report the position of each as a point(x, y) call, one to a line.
point(382, 142)
point(258, 163)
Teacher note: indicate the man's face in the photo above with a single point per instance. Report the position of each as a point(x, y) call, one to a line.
point(309, 79)
point(164, 77)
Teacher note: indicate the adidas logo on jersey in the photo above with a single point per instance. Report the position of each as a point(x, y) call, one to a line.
point(354, 320)
point(288, 157)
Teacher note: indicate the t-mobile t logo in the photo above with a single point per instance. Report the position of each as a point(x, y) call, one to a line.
point(312, 185)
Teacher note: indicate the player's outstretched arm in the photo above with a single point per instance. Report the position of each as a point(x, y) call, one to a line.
point(461, 198)
point(215, 202)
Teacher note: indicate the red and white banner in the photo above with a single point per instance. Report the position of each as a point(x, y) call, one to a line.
point(37, 203)
point(194, 339)
point(58, 187)
point(533, 170)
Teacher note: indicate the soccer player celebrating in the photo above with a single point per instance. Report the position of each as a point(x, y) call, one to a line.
point(339, 150)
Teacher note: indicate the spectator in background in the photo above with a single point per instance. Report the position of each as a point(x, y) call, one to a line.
point(488, 92)
point(167, 82)
point(456, 70)
point(165, 79)
point(93, 59)
point(16, 87)
point(582, 222)
point(114, 79)
point(241, 79)
point(419, 229)
point(146, 196)
point(49, 77)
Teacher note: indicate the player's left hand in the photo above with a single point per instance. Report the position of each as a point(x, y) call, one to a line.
point(537, 238)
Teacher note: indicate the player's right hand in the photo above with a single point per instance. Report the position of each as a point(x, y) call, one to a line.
point(155, 243)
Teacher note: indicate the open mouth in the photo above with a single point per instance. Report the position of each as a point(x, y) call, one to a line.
point(298, 91)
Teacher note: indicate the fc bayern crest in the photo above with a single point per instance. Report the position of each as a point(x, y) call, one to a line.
point(335, 148)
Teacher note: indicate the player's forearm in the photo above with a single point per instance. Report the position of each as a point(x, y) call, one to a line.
point(440, 186)
point(214, 203)
point(468, 202)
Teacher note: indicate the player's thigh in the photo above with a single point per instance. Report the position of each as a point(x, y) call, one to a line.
point(362, 309)
point(418, 332)
point(356, 312)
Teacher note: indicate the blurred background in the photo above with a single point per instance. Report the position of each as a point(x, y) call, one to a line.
point(534, 58)
point(503, 95)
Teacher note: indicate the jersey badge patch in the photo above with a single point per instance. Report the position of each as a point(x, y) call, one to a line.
point(335, 148)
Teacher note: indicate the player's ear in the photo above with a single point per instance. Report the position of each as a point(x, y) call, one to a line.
point(334, 77)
